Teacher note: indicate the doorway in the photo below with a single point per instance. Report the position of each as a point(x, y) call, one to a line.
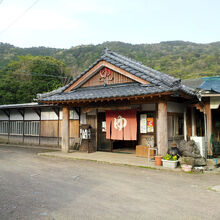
point(103, 143)
point(117, 146)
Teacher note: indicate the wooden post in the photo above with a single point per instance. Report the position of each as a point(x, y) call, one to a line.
point(208, 113)
point(58, 128)
point(193, 122)
point(162, 135)
point(65, 130)
point(184, 124)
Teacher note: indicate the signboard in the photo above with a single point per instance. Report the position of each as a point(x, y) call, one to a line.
point(103, 126)
point(150, 124)
point(143, 123)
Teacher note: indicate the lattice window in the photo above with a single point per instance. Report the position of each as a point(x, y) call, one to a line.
point(3, 127)
point(16, 127)
point(32, 128)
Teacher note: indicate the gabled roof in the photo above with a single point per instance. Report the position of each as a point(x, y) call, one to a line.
point(158, 80)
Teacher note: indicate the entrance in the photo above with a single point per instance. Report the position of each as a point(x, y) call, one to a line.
point(120, 146)
point(103, 143)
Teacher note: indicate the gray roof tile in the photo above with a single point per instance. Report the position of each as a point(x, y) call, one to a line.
point(160, 82)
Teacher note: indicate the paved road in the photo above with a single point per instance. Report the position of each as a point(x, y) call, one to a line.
point(34, 187)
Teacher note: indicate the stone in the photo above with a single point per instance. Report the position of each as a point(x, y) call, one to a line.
point(189, 149)
point(200, 161)
point(187, 160)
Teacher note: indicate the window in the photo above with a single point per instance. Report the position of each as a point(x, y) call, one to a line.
point(32, 128)
point(175, 125)
point(3, 127)
point(16, 127)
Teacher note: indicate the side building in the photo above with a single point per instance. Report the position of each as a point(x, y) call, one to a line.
point(35, 124)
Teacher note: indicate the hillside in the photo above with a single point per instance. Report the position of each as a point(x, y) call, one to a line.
point(178, 58)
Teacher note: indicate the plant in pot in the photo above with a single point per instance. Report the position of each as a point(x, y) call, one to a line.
point(170, 161)
point(158, 160)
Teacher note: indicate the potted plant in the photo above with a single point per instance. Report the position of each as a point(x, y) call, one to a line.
point(170, 161)
point(158, 160)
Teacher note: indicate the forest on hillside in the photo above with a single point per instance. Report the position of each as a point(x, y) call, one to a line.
point(24, 72)
point(178, 58)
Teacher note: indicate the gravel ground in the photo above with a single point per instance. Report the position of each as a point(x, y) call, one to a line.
point(34, 187)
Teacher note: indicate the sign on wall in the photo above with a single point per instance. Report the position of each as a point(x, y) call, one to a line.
point(143, 123)
point(103, 126)
point(105, 75)
point(150, 124)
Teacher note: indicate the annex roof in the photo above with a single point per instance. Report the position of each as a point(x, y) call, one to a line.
point(23, 105)
point(211, 84)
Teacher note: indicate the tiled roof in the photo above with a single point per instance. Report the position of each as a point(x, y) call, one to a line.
point(110, 91)
point(160, 82)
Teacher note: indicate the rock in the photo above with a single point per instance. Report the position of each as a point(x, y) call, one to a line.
point(189, 149)
point(187, 160)
point(200, 161)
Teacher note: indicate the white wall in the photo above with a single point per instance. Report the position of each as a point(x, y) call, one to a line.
point(3, 116)
point(74, 115)
point(31, 115)
point(175, 107)
point(48, 114)
point(15, 115)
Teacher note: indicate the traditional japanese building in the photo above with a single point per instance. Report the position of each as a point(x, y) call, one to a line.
point(207, 111)
point(120, 103)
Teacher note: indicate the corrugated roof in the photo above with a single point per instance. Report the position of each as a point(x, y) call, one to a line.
point(23, 105)
point(211, 84)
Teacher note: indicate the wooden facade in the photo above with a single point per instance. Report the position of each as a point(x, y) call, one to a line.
point(115, 79)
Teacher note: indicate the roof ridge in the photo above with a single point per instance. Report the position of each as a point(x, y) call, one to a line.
point(140, 67)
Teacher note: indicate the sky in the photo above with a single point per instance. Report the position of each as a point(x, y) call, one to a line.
point(67, 23)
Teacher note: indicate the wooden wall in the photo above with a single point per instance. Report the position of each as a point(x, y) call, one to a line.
point(50, 128)
point(117, 78)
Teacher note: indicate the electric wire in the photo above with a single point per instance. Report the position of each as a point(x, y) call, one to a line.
point(19, 17)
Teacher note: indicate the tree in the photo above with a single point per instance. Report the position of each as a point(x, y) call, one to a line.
point(21, 80)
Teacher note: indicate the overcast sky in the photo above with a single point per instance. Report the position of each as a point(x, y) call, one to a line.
point(67, 23)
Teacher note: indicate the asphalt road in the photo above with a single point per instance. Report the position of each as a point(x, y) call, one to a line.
point(34, 187)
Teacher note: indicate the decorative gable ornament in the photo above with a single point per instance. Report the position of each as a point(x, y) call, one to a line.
point(105, 75)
